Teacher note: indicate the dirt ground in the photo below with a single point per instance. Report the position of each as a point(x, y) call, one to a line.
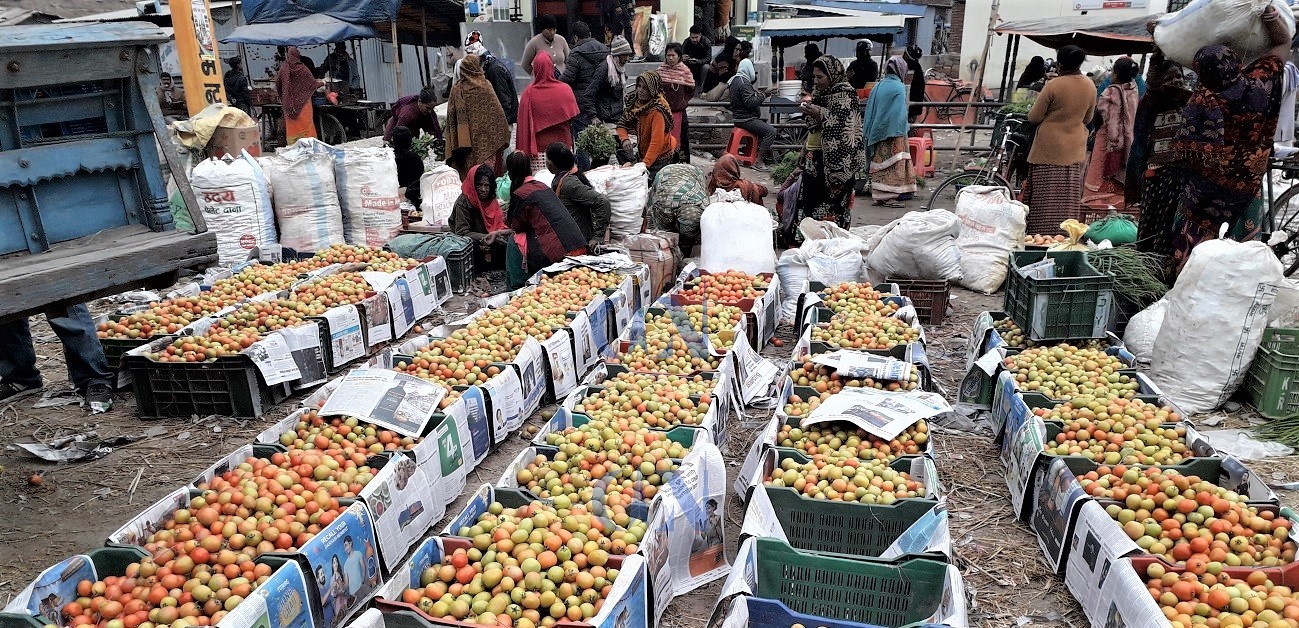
point(76, 506)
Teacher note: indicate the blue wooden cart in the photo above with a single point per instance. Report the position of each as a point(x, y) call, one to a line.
point(83, 195)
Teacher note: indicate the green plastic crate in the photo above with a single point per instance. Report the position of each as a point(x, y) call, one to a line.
point(1075, 304)
point(1273, 379)
point(844, 527)
point(880, 593)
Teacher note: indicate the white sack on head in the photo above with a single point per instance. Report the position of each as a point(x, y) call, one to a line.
point(1237, 23)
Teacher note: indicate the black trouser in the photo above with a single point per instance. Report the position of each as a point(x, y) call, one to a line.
point(766, 136)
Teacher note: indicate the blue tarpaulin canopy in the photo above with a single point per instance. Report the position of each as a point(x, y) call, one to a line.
point(307, 31)
point(354, 11)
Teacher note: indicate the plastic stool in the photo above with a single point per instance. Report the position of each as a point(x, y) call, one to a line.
point(743, 146)
point(923, 157)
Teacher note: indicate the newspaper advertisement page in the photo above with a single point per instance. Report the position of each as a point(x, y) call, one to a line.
point(402, 307)
point(868, 365)
point(346, 341)
point(394, 400)
point(377, 320)
point(757, 372)
point(402, 504)
point(760, 517)
point(585, 352)
point(505, 395)
point(1107, 586)
point(881, 412)
point(689, 520)
point(1020, 455)
point(531, 366)
point(274, 360)
point(473, 405)
point(560, 362)
point(303, 342)
point(1057, 503)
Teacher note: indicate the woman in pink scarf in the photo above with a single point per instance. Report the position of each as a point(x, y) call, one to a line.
point(1117, 107)
point(545, 109)
point(678, 88)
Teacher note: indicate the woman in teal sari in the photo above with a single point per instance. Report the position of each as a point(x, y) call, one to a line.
point(893, 176)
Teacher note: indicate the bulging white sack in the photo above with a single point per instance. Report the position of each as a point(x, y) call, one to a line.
point(305, 196)
point(236, 203)
point(919, 245)
point(1237, 23)
point(1217, 311)
point(439, 189)
point(992, 225)
point(1142, 330)
point(737, 236)
point(627, 188)
point(368, 191)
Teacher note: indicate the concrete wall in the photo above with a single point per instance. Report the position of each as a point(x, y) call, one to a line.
point(975, 29)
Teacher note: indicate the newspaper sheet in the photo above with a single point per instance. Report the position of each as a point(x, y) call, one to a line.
point(388, 398)
point(883, 413)
point(858, 364)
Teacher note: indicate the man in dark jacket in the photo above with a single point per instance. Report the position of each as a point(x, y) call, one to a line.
point(607, 92)
point(590, 209)
point(236, 82)
point(585, 60)
point(499, 74)
point(698, 51)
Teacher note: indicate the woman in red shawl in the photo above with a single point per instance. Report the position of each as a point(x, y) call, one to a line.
point(296, 84)
point(545, 109)
point(477, 215)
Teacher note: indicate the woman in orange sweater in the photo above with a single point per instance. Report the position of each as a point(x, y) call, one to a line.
point(647, 112)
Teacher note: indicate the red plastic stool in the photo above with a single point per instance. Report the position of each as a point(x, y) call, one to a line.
point(923, 156)
point(743, 146)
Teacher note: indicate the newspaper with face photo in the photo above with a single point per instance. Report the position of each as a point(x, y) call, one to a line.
point(684, 546)
point(859, 364)
point(882, 413)
point(387, 398)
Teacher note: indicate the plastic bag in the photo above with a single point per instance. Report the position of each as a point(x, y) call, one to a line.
point(1217, 311)
point(627, 188)
point(1285, 311)
point(1243, 445)
point(1234, 22)
point(503, 191)
point(658, 36)
point(305, 197)
point(1075, 232)
point(1116, 228)
point(439, 189)
point(992, 225)
point(919, 245)
point(1142, 330)
point(834, 260)
point(737, 236)
point(236, 203)
point(793, 272)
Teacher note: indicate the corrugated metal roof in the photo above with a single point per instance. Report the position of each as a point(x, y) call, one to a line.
point(69, 8)
point(13, 16)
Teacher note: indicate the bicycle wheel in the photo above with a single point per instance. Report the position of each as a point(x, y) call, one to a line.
point(944, 196)
point(1284, 218)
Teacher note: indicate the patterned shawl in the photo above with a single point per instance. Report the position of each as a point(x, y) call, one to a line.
point(634, 109)
point(841, 140)
point(474, 115)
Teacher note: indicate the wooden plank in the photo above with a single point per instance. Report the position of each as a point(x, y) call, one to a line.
point(58, 67)
point(110, 261)
point(72, 36)
point(28, 166)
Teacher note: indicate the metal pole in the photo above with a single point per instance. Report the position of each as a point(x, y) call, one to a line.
point(396, 55)
point(978, 84)
point(1005, 67)
point(1010, 78)
point(423, 26)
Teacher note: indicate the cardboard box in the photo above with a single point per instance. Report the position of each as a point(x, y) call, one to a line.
point(232, 140)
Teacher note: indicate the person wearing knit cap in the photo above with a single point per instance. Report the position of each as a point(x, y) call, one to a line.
point(608, 86)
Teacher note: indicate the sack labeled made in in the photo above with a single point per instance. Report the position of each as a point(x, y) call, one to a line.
point(1217, 312)
point(236, 203)
point(368, 191)
point(992, 225)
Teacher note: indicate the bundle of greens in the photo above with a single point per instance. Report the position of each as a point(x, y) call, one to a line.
point(1138, 276)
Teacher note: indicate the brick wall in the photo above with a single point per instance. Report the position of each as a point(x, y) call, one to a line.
point(957, 29)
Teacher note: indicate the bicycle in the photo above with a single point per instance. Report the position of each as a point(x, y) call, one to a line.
point(956, 91)
point(997, 170)
point(1282, 213)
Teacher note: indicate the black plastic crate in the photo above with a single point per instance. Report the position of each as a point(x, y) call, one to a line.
point(928, 296)
point(1075, 304)
point(460, 265)
point(228, 386)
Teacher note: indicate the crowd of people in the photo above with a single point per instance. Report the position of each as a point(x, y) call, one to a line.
point(1192, 160)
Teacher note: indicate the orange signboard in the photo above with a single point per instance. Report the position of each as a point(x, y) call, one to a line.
point(196, 49)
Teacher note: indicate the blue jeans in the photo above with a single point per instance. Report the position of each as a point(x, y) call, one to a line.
point(577, 125)
point(81, 349)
